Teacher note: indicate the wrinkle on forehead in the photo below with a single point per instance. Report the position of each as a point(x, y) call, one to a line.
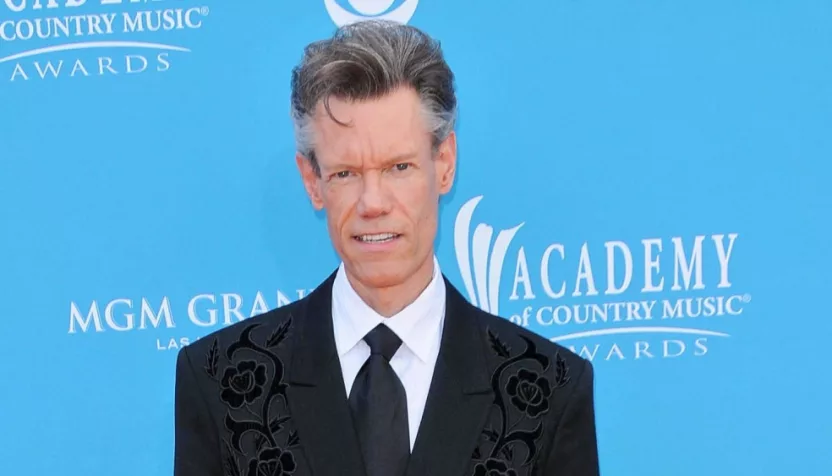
point(377, 131)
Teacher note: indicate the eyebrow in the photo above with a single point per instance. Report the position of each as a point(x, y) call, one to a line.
point(400, 157)
point(386, 162)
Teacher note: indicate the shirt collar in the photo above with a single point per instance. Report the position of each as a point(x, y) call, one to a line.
point(417, 325)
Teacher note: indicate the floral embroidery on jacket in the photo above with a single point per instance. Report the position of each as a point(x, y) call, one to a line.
point(522, 392)
point(252, 388)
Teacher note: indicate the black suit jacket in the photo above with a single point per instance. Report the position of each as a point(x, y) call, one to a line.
point(265, 397)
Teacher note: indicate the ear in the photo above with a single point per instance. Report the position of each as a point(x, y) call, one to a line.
point(311, 180)
point(446, 164)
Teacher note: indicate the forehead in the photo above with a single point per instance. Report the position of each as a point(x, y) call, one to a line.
point(376, 130)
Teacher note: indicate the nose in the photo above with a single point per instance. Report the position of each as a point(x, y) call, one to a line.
point(374, 200)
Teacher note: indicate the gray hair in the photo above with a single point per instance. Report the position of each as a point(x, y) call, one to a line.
point(367, 60)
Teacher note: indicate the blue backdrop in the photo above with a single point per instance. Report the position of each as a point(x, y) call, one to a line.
point(646, 182)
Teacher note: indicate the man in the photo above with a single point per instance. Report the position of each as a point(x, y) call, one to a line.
point(384, 369)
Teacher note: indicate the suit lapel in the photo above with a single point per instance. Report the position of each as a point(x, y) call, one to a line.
point(459, 398)
point(316, 393)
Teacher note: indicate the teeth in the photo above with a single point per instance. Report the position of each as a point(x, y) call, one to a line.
point(377, 238)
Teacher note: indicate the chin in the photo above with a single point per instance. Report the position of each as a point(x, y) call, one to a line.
point(379, 274)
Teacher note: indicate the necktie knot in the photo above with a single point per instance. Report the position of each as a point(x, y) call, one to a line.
point(383, 341)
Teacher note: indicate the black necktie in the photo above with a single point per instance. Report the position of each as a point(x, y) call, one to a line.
point(379, 407)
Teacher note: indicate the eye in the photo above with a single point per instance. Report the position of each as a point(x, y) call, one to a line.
point(402, 167)
point(342, 174)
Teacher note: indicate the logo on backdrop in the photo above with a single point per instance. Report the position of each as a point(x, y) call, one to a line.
point(162, 319)
point(345, 12)
point(601, 300)
point(59, 39)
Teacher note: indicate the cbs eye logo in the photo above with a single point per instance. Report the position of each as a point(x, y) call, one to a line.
point(344, 12)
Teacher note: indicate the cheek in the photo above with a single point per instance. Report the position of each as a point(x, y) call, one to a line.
point(422, 210)
point(417, 195)
point(335, 209)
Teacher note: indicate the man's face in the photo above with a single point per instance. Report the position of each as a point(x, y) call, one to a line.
point(380, 184)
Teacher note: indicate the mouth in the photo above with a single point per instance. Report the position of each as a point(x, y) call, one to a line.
point(376, 238)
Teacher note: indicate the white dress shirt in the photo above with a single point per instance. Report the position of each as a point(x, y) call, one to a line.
point(419, 326)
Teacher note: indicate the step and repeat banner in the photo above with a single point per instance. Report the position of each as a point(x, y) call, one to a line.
point(647, 183)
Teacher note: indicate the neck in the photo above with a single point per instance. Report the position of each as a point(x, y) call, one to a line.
point(388, 301)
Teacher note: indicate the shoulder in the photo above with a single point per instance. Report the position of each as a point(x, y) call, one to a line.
point(505, 340)
point(267, 322)
point(542, 390)
point(499, 328)
point(560, 372)
point(233, 365)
